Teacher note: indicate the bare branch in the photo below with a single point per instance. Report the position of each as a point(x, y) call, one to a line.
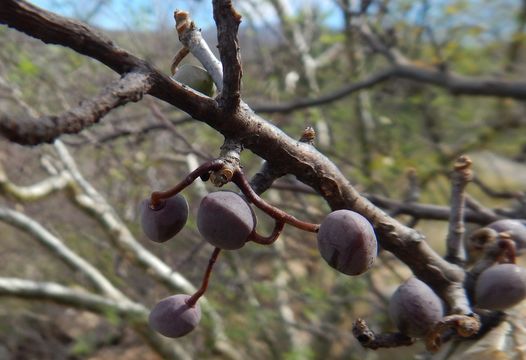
point(191, 38)
point(369, 339)
point(324, 99)
point(59, 249)
point(135, 313)
point(66, 296)
point(30, 131)
point(454, 83)
point(36, 191)
point(462, 174)
point(227, 20)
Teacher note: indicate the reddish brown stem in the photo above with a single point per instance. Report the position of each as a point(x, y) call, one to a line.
point(255, 237)
point(157, 196)
point(508, 249)
point(241, 181)
point(204, 285)
point(177, 59)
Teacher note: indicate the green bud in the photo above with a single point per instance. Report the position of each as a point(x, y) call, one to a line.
point(195, 77)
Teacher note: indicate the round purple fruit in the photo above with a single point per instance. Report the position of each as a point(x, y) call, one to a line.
point(516, 228)
point(347, 242)
point(173, 317)
point(225, 220)
point(500, 287)
point(414, 308)
point(166, 220)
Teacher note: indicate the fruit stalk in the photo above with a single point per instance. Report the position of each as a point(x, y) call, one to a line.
point(241, 181)
point(204, 285)
point(157, 196)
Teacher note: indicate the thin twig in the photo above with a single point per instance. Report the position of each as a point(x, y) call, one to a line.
point(462, 174)
point(369, 339)
point(241, 181)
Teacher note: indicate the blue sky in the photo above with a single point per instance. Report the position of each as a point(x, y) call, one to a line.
point(155, 14)
point(151, 14)
point(123, 14)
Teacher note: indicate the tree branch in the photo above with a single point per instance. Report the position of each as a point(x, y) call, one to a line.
point(190, 36)
point(66, 296)
point(31, 131)
point(135, 313)
point(462, 174)
point(227, 20)
point(454, 83)
point(59, 249)
point(36, 191)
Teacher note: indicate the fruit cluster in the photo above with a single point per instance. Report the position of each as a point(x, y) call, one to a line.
point(346, 240)
point(498, 285)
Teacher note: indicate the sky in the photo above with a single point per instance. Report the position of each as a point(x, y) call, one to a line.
point(151, 14)
point(146, 15)
point(129, 14)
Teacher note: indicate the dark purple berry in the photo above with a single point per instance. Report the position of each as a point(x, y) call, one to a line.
point(172, 317)
point(500, 287)
point(516, 229)
point(225, 220)
point(347, 242)
point(166, 220)
point(414, 308)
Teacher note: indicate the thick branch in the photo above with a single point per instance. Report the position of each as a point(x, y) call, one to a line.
point(30, 131)
point(54, 29)
point(227, 20)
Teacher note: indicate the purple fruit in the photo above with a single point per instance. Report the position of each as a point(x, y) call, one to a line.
point(516, 229)
point(225, 220)
point(414, 308)
point(166, 220)
point(347, 242)
point(172, 317)
point(500, 287)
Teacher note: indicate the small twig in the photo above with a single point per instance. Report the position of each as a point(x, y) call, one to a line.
point(255, 237)
point(464, 326)
point(241, 181)
point(227, 21)
point(369, 339)
point(157, 196)
point(191, 38)
point(204, 285)
point(455, 239)
point(178, 58)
